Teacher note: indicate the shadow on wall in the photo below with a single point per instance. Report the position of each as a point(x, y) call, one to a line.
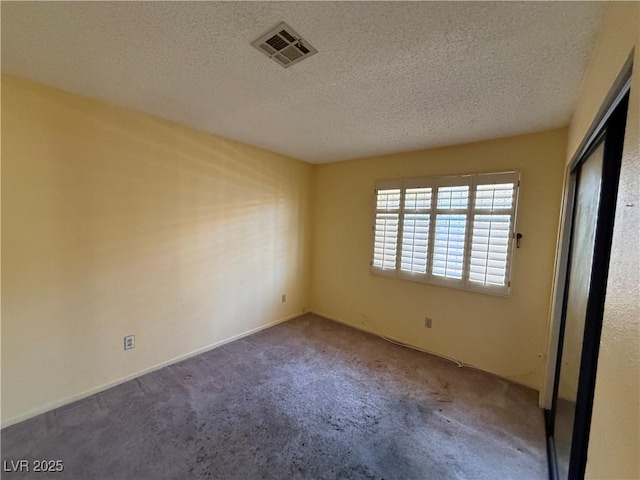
point(115, 222)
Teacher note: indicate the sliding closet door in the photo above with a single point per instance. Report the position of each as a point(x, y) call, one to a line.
point(596, 177)
point(582, 248)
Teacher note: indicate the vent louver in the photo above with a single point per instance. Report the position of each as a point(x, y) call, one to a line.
point(284, 46)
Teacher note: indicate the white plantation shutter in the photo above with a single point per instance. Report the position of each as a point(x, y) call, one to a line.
point(451, 227)
point(453, 198)
point(493, 217)
point(415, 243)
point(415, 230)
point(448, 251)
point(453, 231)
point(489, 248)
point(494, 196)
point(386, 241)
point(386, 228)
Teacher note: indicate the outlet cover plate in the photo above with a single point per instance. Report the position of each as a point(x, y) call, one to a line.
point(129, 342)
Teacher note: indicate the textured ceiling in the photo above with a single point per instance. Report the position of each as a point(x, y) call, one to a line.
point(389, 76)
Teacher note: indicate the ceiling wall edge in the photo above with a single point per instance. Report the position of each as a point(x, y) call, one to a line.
point(6, 74)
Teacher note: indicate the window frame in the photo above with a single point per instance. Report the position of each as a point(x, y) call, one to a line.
point(473, 180)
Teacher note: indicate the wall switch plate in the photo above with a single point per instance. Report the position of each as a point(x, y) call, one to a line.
point(129, 342)
point(427, 322)
point(284, 297)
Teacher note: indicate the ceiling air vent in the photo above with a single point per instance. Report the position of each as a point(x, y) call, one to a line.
point(284, 46)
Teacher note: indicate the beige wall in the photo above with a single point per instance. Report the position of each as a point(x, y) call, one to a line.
point(118, 223)
point(615, 430)
point(501, 335)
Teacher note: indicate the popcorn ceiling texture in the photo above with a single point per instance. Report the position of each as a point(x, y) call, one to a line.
point(389, 76)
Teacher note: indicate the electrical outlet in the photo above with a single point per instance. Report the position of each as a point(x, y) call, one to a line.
point(129, 342)
point(284, 297)
point(427, 322)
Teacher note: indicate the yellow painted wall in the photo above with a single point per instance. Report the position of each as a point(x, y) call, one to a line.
point(614, 444)
point(497, 334)
point(117, 223)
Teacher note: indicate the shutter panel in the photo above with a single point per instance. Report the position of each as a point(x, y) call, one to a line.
point(450, 228)
point(417, 198)
point(386, 241)
point(448, 249)
point(491, 238)
point(388, 199)
point(489, 247)
point(385, 245)
point(494, 196)
point(453, 198)
point(415, 243)
point(415, 230)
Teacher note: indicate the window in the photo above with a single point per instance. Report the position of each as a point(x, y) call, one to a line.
point(454, 231)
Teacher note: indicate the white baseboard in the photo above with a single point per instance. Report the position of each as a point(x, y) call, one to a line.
point(343, 322)
point(369, 329)
point(87, 393)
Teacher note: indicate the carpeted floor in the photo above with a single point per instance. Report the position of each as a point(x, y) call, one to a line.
point(306, 399)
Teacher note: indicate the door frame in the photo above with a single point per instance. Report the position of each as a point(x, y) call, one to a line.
point(611, 122)
point(620, 88)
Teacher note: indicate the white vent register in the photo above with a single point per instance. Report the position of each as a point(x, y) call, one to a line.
point(284, 46)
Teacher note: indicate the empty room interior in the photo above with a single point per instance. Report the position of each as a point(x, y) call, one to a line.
point(381, 240)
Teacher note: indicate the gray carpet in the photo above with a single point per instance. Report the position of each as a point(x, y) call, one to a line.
point(306, 399)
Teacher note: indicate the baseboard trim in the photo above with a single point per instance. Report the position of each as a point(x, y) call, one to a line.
point(372, 331)
point(101, 388)
point(368, 329)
